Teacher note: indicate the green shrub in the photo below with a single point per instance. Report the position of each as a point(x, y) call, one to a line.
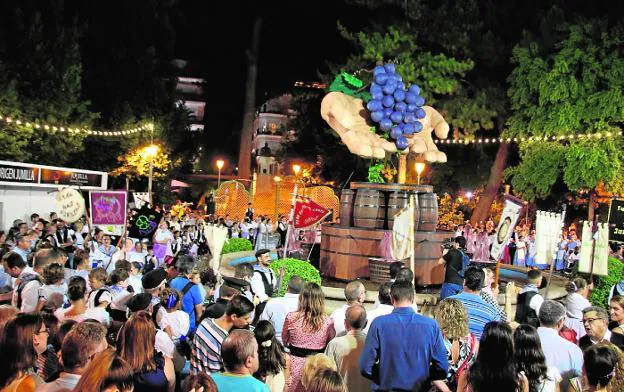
point(600, 294)
point(236, 245)
point(302, 268)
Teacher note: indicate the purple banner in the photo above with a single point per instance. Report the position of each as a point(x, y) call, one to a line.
point(108, 207)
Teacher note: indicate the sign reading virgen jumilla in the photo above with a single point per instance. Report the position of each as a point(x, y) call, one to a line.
point(28, 174)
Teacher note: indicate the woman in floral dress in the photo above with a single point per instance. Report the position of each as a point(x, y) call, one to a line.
point(306, 332)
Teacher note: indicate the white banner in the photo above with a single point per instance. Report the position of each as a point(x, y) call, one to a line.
point(506, 225)
point(601, 250)
point(140, 199)
point(547, 236)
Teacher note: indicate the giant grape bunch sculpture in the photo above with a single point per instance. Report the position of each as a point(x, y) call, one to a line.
point(395, 108)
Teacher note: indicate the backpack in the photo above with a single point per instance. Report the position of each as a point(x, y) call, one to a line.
point(24, 280)
point(465, 264)
point(524, 313)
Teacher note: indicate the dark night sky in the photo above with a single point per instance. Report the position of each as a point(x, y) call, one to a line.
point(297, 38)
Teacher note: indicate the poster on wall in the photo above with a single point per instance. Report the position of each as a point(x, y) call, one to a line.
point(506, 225)
point(547, 236)
point(108, 210)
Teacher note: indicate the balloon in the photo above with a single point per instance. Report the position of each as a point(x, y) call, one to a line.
point(401, 85)
point(420, 113)
point(420, 100)
point(418, 126)
point(411, 107)
point(410, 97)
point(377, 94)
point(399, 77)
point(396, 133)
point(377, 116)
point(387, 112)
point(385, 124)
point(379, 70)
point(381, 78)
point(389, 88)
point(409, 128)
point(401, 143)
point(390, 67)
point(399, 95)
point(388, 101)
point(414, 89)
point(400, 106)
point(396, 117)
point(374, 105)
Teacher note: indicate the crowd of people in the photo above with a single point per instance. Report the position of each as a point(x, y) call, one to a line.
point(139, 318)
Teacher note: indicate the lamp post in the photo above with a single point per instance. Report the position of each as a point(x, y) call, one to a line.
point(151, 152)
point(420, 167)
point(220, 164)
point(277, 180)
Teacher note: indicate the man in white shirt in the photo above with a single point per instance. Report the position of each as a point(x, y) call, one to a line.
point(81, 344)
point(277, 308)
point(26, 292)
point(355, 294)
point(384, 306)
point(264, 282)
point(564, 356)
point(22, 246)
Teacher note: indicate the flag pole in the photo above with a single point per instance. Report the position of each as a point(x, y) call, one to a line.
point(290, 221)
point(413, 250)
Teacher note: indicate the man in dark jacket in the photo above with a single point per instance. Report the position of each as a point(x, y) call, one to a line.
point(596, 322)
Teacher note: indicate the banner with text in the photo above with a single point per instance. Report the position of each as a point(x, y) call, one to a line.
point(616, 220)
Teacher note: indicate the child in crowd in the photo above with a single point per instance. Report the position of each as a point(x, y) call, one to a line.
point(137, 253)
point(178, 320)
point(100, 296)
point(118, 285)
point(151, 262)
point(135, 277)
point(54, 278)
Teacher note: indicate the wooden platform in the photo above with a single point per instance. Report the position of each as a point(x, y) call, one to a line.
point(345, 252)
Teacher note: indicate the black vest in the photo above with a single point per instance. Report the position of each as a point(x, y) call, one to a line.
point(268, 287)
point(524, 313)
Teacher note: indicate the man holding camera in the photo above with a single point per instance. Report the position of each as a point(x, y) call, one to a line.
point(453, 259)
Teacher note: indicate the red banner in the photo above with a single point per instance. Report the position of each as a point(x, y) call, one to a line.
point(308, 213)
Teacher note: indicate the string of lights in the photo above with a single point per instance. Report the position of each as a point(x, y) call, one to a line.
point(75, 130)
point(579, 136)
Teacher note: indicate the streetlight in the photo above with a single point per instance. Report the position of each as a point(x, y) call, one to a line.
point(220, 164)
point(151, 152)
point(296, 169)
point(420, 167)
point(277, 180)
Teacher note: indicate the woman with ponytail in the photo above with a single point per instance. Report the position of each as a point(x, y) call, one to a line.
point(273, 360)
point(107, 372)
point(575, 302)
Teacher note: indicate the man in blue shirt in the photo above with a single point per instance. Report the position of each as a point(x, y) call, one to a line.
point(479, 311)
point(192, 300)
point(404, 351)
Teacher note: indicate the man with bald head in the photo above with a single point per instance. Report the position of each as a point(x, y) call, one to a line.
point(345, 350)
point(355, 294)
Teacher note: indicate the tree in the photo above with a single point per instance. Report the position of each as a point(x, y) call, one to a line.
point(41, 80)
point(572, 82)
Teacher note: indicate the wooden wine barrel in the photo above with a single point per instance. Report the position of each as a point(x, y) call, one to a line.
point(427, 252)
point(345, 251)
point(428, 206)
point(347, 197)
point(369, 209)
point(396, 202)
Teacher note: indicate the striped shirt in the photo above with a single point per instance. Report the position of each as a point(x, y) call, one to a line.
point(479, 312)
point(206, 348)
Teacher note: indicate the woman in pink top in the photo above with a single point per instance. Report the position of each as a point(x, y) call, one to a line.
point(306, 332)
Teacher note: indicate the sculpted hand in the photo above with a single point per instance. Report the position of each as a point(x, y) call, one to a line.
point(350, 119)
